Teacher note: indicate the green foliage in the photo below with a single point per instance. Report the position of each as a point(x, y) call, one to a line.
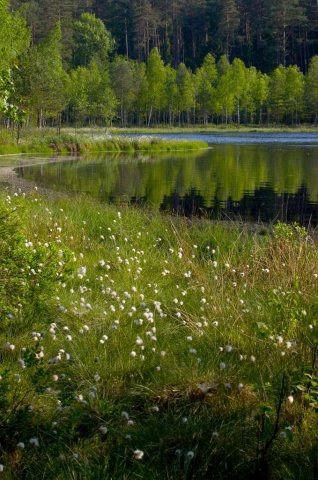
point(289, 232)
point(54, 83)
point(91, 40)
point(206, 77)
point(29, 273)
point(9, 103)
point(42, 80)
point(155, 74)
point(91, 95)
point(14, 36)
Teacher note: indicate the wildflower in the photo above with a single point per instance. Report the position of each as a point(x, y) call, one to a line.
point(228, 348)
point(21, 363)
point(34, 441)
point(190, 454)
point(1, 467)
point(92, 395)
point(222, 365)
point(103, 430)
point(291, 399)
point(81, 272)
point(21, 445)
point(138, 454)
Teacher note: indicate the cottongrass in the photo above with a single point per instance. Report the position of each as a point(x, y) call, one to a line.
point(155, 356)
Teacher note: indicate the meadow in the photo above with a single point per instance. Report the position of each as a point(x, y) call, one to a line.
point(138, 345)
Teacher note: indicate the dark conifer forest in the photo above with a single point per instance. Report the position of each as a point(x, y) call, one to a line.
point(263, 33)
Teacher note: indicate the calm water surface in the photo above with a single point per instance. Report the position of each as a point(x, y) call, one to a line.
point(256, 177)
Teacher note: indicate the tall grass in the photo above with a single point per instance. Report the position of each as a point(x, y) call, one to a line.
point(168, 349)
point(45, 142)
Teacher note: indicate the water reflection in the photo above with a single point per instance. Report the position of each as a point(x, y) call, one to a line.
point(263, 206)
point(254, 182)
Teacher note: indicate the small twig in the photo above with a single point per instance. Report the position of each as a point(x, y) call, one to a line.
point(278, 414)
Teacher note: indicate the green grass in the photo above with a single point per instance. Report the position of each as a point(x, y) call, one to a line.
point(80, 143)
point(202, 332)
point(212, 128)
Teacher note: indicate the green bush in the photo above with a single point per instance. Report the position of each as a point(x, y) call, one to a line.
point(29, 272)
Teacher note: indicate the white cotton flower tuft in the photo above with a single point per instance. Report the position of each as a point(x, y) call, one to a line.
point(138, 454)
point(81, 272)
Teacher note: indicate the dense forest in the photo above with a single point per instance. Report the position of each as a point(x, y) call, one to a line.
point(145, 62)
point(263, 33)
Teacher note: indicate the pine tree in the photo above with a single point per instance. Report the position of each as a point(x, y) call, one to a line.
point(283, 19)
point(228, 24)
point(146, 23)
point(311, 88)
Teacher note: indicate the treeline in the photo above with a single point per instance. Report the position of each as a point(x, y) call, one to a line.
point(263, 33)
point(98, 87)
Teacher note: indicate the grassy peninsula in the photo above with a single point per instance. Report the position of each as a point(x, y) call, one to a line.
point(88, 141)
point(135, 345)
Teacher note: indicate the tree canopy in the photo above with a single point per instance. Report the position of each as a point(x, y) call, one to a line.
point(151, 62)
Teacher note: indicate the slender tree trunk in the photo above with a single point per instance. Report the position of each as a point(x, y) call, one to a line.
point(126, 38)
point(150, 115)
point(238, 113)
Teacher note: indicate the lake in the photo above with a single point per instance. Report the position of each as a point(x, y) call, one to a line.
point(253, 177)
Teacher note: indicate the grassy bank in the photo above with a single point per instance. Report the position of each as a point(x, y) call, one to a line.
point(230, 128)
point(75, 144)
point(135, 345)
